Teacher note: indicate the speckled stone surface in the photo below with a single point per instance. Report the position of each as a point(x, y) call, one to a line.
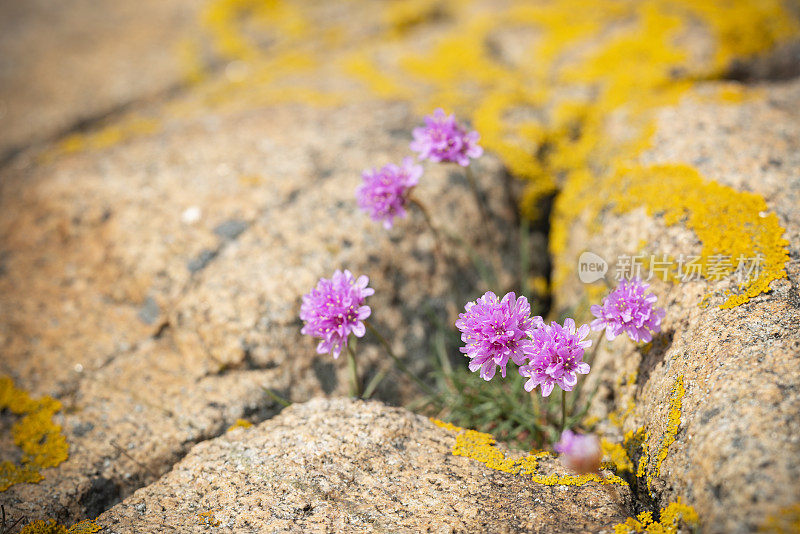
point(344, 466)
point(157, 327)
point(735, 454)
point(151, 265)
point(62, 63)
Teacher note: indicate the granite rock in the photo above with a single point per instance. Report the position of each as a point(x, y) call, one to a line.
point(353, 466)
point(735, 419)
point(157, 355)
point(67, 65)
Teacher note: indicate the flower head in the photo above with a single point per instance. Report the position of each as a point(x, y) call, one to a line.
point(558, 357)
point(443, 139)
point(581, 453)
point(629, 309)
point(335, 309)
point(384, 193)
point(496, 330)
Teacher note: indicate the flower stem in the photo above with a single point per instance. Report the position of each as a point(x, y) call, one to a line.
point(355, 390)
point(429, 221)
point(400, 365)
point(563, 409)
point(473, 184)
point(595, 349)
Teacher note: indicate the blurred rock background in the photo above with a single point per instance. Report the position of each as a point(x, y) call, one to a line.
point(174, 175)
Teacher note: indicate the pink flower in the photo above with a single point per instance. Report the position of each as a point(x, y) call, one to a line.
point(384, 193)
point(558, 357)
point(496, 331)
point(335, 309)
point(443, 139)
point(581, 454)
point(629, 309)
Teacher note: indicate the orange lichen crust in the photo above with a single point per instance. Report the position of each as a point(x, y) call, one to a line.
point(207, 519)
point(40, 439)
point(672, 516)
point(483, 448)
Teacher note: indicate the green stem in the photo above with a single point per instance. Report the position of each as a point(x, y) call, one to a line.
point(563, 410)
point(277, 398)
point(400, 365)
point(373, 384)
point(355, 390)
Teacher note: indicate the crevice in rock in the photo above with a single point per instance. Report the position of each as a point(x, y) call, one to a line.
point(652, 355)
point(779, 64)
point(101, 495)
point(97, 120)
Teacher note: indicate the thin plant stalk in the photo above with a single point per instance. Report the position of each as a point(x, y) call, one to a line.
point(596, 349)
point(524, 256)
point(277, 398)
point(429, 221)
point(355, 389)
point(563, 409)
point(400, 365)
point(373, 384)
point(473, 184)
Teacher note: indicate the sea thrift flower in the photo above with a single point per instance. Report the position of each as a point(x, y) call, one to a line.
point(335, 309)
point(384, 193)
point(558, 357)
point(496, 331)
point(443, 139)
point(629, 309)
point(581, 454)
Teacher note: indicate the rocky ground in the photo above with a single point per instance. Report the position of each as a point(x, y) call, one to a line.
point(174, 176)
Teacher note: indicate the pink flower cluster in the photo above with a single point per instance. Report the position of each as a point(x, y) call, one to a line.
point(558, 358)
point(498, 330)
point(385, 192)
point(581, 453)
point(335, 309)
point(444, 139)
point(629, 309)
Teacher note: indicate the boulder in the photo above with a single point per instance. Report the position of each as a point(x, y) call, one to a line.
point(156, 329)
point(710, 407)
point(353, 466)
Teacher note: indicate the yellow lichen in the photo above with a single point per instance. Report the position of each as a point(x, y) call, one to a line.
point(673, 422)
point(483, 448)
point(672, 516)
point(640, 438)
point(543, 108)
point(44, 527)
point(39, 438)
point(785, 521)
point(626, 407)
point(51, 527)
point(728, 222)
point(617, 455)
point(87, 526)
point(240, 423)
